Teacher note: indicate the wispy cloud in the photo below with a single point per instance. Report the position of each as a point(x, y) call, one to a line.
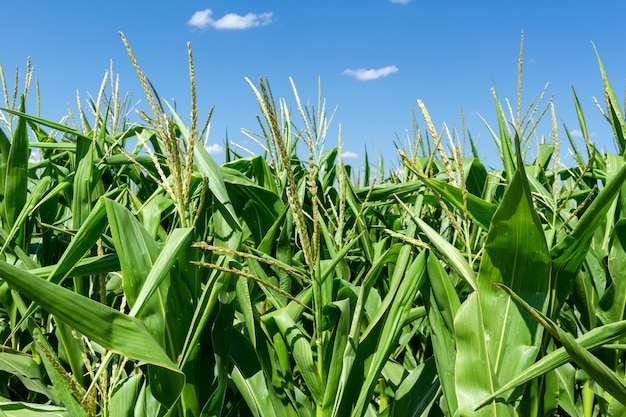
point(215, 149)
point(371, 74)
point(350, 155)
point(400, 1)
point(578, 134)
point(204, 18)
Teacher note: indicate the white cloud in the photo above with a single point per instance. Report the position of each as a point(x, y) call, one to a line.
point(204, 18)
point(579, 134)
point(576, 133)
point(371, 74)
point(215, 149)
point(401, 1)
point(350, 155)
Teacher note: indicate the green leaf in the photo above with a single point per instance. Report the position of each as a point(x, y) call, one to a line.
point(340, 339)
point(83, 181)
point(607, 378)
point(503, 138)
point(207, 167)
point(387, 192)
point(616, 117)
point(613, 301)
point(29, 205)
point(16, 174)
point(25, 369)
point(124, 398)
point(160, 301)
point(592, 339)
point(5, 147)
point(300, 347)
point(91, 265)
point(418, 391)
point(19, 409)
point(84, 239)
point(221, 340)
point(247, 375)
point(357, 351)
point(386, 326)
point(71, 350)
point(49, 123)
point(495, 340)
point(568, 255)
point(566, 380)
point(136, 249)
point(177, 240)
point(478, 209)
point(113, 330)
point(64, 384)
point(450, 254)
point(443, 305)
point(259, 207)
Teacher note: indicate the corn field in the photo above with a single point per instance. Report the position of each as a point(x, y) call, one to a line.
point(141, 278)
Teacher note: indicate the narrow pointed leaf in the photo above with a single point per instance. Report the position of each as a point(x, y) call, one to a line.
point(84, 239)
point(16, 174)
point(478, 209)
point(61, 382)
point(591, 340)
point(595, 368)
point(569, 254)
point(34, 198)
point(614, 110)
point(490, 330)
point(176, 242)
point(108, 327)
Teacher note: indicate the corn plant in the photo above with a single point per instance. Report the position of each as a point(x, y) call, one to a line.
point(140, 277)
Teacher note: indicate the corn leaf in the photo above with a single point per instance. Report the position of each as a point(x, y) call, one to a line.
point(84, 239)
point(116, 331)
point(495, 340)
point(568, 255)
point(591, 340)
point(63, 383)
point(613, 301)
point(614, 110)
point(478, 209)
point(26, 370)
point(207, 167)
point(442, 305)
point(83, 181)
point(18, 409)
point(124, 399)
point(15, 179)
point(595, 368)
point(29, 205)
point(418, 391)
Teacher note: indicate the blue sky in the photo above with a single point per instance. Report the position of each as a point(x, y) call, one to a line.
point(374, 59)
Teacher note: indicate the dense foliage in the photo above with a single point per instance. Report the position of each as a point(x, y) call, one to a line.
point(141, 278)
